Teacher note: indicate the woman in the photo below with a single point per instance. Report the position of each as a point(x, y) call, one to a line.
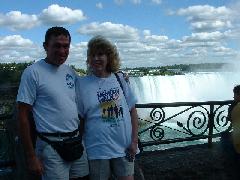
point(107, 105)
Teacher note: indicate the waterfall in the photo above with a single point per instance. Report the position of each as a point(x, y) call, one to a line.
point(191, 87)
point(185, 88)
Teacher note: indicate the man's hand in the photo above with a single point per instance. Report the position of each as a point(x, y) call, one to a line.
point(35, 166)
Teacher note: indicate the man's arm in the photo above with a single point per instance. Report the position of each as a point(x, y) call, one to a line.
point(82, 124)
point(134, 121)
point(34, 164)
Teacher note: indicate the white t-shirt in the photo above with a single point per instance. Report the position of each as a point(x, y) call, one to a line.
point(108, 128)
point(51, 92)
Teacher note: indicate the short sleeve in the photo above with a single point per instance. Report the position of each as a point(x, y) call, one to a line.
point(28, 87)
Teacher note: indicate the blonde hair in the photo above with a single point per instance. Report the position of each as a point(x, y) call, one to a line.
point(100, 43)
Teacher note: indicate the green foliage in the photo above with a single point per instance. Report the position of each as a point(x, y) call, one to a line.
point(197, 67)
point(80, 72)
point(177, 69)
point(11, 72)
point(152, 71)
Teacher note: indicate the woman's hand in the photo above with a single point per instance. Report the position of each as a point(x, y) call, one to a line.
point(133, 148)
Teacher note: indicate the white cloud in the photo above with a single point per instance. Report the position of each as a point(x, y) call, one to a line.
point(222, 49)
point(148, 50)
point(156, 38)
point(233, 34)
point(160, 41)
point(15, 20)
point(78, 54)
point(17, 49)
point(209, 26)
point(136, 1)
point(212, 28)
point(57, 15)
point(118, 32)
point(53, 15)
point(205, 12)
point(99, 5)
point(14, 41)
point(146, 32)
point(207, 18)
point(157, 1)
point(136, 48)
point(205, 37)
point(119, 2)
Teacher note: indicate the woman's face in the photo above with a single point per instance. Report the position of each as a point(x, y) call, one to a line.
point(98, 64)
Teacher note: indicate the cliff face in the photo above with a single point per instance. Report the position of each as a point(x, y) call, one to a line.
point(193, 162)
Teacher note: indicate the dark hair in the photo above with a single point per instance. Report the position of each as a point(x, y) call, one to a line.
point(56, 31)
point(100, 43)
point(236, 89)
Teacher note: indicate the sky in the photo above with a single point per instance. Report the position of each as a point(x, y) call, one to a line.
point(146, 32)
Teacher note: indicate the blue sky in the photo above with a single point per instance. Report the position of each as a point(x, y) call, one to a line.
point(146, 32)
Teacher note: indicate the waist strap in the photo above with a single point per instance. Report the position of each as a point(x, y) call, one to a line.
point(59, 134)
point(53, 142)
point(47, 140)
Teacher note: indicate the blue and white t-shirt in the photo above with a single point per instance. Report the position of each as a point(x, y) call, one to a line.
point(51, 92)
point(104, 107)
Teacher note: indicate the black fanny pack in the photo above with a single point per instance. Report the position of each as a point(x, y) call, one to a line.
point(69, 149)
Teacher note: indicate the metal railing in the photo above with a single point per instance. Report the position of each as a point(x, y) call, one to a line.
point(190, 121)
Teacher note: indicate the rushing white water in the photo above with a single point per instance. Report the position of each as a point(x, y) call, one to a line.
point(192, 87)
point(185, 88)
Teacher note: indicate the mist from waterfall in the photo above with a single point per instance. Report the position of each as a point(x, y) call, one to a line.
point(191, 87)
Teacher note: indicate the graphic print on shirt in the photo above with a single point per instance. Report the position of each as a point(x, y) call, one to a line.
point(111, 109)
point(70, 81)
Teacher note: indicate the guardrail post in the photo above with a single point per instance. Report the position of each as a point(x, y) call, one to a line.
point(210, 125)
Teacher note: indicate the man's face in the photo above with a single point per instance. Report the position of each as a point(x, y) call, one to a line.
point(57, 49)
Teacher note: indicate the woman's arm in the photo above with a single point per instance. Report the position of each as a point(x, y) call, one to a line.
point(134, 120)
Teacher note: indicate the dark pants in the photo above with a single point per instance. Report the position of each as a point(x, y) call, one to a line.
point(231, 157)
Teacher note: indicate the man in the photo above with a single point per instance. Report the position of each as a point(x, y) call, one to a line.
point(231, 140)
point(235, 118)
point(47, 89)
point(236, 99)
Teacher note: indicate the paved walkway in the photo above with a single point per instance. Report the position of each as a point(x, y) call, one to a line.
point(197, 162)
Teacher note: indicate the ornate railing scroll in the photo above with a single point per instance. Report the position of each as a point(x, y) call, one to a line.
point(167, 123)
